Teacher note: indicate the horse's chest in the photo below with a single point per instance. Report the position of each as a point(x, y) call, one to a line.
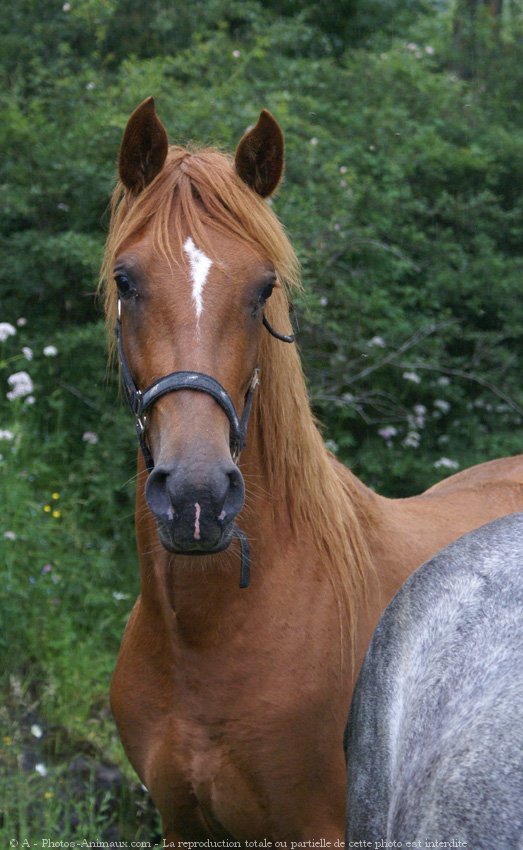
point(224, 788)
point(200, 775)
point(230, 749)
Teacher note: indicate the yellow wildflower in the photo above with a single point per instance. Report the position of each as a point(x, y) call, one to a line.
point(47, 509)
point(57, 514)
point(55, 496)
point(7, 740)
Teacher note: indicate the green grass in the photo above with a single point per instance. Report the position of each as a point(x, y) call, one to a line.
point(69, 579)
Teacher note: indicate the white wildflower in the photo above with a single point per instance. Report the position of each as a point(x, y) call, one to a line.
point(6, 435)
point(412, 376)
point(50, 351)
point(331, 446)
point(30, 399)
point(417, 418)
point(21, 384)
point(41, 769)
point(429, 50)
point(412, 440)
point(446, 463)
point(90, 437)
point(63, 207)
point(313, 141)
point(443, 381)
point(324, 300)
point(36, 730)
point(21, 322)
point(236, 54)
point(6, 330)
point(9, 535)
point(343, 169)
point(27, 352)
point(388, 432)
point(376, 342)
point(66, 7)
point(119, 596)
point(90, 86)
point(441, 404)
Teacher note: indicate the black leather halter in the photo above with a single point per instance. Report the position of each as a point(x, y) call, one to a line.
point(140, 401)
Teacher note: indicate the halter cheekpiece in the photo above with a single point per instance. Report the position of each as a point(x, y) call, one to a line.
point(140, 401)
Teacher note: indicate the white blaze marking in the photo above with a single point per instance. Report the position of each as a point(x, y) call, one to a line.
point(198, 511)
point(200, 265)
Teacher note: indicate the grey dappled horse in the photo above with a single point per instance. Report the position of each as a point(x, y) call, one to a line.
point(435, 736)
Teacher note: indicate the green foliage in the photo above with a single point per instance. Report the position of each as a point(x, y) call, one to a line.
point(67, 518)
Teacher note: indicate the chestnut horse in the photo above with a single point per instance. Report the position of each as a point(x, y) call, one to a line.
point(230, 700)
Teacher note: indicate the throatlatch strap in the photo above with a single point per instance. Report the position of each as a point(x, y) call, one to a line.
point(277, 334)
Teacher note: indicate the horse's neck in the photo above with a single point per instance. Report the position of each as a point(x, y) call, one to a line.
point(203, 592)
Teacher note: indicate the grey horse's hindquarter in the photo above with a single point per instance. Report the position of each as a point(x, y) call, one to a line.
point(434, 741)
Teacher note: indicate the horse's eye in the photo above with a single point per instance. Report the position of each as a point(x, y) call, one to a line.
point(266, 292)
point(125, 286)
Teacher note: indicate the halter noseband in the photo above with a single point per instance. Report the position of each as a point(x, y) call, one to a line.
point(140, 401)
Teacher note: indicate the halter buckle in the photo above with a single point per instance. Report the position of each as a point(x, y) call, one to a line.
point(141, 423)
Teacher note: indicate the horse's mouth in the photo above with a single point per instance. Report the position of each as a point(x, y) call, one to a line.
point(179, 544)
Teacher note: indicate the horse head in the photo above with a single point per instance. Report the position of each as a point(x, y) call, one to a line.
point(191, 283)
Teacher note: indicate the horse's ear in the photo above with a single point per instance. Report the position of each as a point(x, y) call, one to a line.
point(144, 148)
point(259, 156)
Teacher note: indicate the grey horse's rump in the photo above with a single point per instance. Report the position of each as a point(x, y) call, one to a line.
point(434, 741)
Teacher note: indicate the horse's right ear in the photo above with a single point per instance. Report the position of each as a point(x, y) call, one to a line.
point(144, 148)
point(259, 155)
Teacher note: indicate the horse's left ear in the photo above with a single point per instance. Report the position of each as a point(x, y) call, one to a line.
point(144, 148)
point(259, 156)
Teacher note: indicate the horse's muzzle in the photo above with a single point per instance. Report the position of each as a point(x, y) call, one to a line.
point(195, 508)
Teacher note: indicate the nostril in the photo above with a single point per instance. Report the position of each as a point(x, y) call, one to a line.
point(235, 478)
point(234, 497)
point(157, 493)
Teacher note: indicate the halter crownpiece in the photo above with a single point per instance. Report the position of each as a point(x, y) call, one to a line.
point(140, 401)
